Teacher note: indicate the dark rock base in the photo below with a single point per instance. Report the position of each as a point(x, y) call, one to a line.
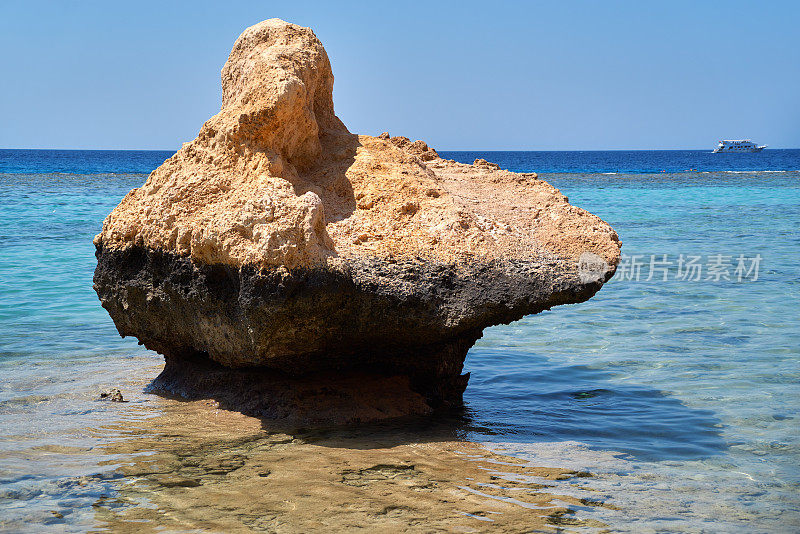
point(290, 402)
point(369, 339)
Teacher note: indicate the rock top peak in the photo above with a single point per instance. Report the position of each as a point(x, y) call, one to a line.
point(275, 179)
point(277, 89)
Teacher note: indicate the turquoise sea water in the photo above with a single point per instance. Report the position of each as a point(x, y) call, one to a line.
point(681, 395)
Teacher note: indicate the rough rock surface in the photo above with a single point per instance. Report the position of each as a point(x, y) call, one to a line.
point(281, 245)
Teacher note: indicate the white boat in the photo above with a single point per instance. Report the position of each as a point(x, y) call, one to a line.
point(738, 145)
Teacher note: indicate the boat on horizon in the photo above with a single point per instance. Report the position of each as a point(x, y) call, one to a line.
point(738, 145)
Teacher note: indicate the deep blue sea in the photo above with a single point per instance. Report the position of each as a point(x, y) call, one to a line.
point(677, 385)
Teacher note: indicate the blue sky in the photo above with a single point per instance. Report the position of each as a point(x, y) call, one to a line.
point(461, 75)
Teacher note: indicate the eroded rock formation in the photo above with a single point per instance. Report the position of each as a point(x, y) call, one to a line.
point(278, 257)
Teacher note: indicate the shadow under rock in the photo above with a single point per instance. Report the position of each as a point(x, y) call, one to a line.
point(542, 402)
point(335, 398)
point(453, 425)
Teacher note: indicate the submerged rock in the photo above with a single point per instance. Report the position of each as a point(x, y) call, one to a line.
point(113, 395)
point(278, 259)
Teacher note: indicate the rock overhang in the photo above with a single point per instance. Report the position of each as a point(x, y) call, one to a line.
point(277, 239)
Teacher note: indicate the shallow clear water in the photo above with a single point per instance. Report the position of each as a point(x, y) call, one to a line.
point(682, 396)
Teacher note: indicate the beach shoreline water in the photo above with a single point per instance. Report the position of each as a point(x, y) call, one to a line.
point(161, 463)
point(676, 396)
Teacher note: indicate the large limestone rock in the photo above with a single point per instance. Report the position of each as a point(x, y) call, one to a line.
point(278, 258)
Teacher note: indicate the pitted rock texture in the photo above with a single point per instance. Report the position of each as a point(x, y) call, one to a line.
point(277, 241)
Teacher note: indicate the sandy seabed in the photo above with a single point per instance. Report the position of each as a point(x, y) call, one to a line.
point(194, 466)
